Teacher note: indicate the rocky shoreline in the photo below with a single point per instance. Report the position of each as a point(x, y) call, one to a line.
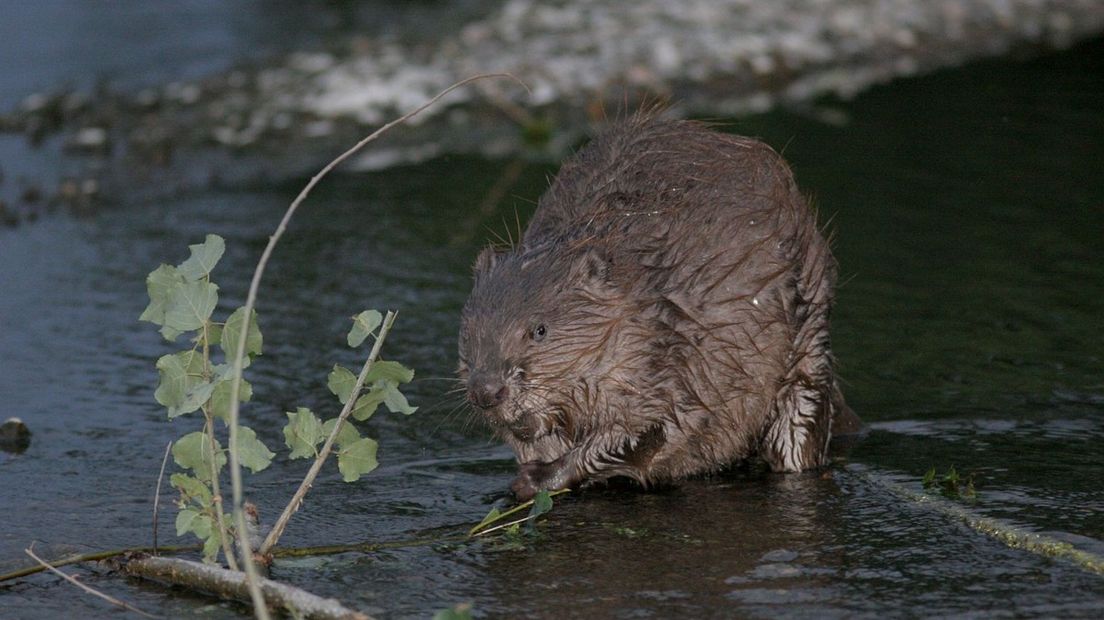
point(580, 60)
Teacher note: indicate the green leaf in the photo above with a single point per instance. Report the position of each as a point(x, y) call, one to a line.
point(190, 305)
point(341, 382)
point(251, 451)
point(191, 488)
point(211, 547)
point(192, 451)
point(189, 520)
point(396, 401)
point(233, 329)
point(390, 371)
point(220, 398)
point(347, 436)
point(160, 284)
point(182, 387)
point(214, 334)
point(491, 517)
point(542, 503)
point(203, 259)
point(368, 402)
point(929, 478)
point(952, 477)
point(363, 325)
point(357, 459)
point(303, 433)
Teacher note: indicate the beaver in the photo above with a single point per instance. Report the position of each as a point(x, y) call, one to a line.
point(665, 314)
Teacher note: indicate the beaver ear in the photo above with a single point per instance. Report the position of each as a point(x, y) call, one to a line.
point(595, 267)
point(486, 261)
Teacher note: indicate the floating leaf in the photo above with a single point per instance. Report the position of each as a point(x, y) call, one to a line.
point(347, 436)
point(303, 433)
point(390, 371)
point(190, 305)
point(232, 332)
point(251, 451)
point(192, 451)
point(341, 382)
point(363, 325)
point(357, 459)
point(220, 398)
point(160, 284)
point(191, 488)
point(203, 259)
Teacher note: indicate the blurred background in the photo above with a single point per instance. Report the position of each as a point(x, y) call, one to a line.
point(954, 145)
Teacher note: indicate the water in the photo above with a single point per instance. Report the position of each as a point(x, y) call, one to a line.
point(967, 207)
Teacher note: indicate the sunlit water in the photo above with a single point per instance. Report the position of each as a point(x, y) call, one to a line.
point(968, 209)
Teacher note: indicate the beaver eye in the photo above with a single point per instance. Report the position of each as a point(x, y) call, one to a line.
point(538, 333)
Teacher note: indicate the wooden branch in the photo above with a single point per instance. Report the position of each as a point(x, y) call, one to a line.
point(94, 592)
point(228, 584)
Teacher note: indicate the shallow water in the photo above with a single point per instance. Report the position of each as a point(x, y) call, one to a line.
point(967, 207)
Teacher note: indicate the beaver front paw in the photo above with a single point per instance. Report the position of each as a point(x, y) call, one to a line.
point(535, 476)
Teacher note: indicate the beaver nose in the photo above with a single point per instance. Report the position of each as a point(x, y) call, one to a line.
point(487, 394)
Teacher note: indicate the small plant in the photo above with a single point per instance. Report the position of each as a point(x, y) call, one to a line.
point(539, 505)
point(182, 302)
point(950, 484)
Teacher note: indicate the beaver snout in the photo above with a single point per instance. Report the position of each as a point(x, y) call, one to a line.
point(487, 393)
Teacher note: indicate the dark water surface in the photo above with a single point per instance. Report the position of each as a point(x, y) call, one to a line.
point(969, 212)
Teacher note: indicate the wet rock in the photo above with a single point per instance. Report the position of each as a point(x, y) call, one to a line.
point(15, 437)
point(92, 140)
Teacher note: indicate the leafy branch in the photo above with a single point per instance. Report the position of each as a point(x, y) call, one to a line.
point(182, 300)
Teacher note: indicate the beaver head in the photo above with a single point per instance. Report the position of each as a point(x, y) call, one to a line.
point(532, 337)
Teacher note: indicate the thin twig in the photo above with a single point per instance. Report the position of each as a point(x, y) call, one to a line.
point(250, 304)
point(501, 526)
point(88, 589)
point(297, 499)
point(216, 490)
point(478, 529)
point(216, 493)
point(157, 494)
point(365, 547)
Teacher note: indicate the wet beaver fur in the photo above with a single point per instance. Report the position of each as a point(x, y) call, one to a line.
point(665, 314)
